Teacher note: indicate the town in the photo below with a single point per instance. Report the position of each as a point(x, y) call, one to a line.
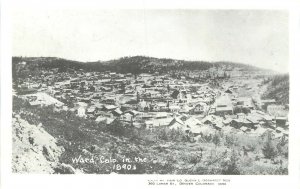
point(197, 102)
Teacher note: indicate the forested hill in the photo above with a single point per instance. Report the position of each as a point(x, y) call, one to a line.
point(278, 88)
point(135, 64)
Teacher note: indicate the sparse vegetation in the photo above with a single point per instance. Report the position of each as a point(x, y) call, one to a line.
point(167, 151)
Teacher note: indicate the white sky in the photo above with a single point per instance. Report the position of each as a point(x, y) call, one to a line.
point(256, 37)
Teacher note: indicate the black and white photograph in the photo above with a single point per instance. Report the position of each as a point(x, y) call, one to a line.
point(156, 91)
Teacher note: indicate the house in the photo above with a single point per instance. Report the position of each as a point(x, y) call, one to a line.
point(268, 120)
point(185, 108)
point(281, 121)
point(222, 111)
point(237, 123)
point(143, 106)
point(42, 99)
point(261, 131)
point(105, 114)
point(145, 76)
point(208, 120)
point(279, 129)
point(241, 115)
point(105, 120)
point(199, 108)
point(109, 107)
point(162, 122)
point(91, 110)
point(245, 102)
point(224, 106)
point(180, 95)
point(161, 115)
point(117, 112)
point(265, 103)
point(254, 120)
point(35, 103)
point(245, 129)
point(217, 125)
point(129, 116)
point(109, 100)
point(192, 122)
point(228, 91)
point(174, 108)
point(227, 121)
point(160, 107)
point(149, 124)
point(177, 123)
point(81, 111)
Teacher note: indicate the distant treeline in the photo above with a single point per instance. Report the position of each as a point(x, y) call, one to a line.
point(134, 65)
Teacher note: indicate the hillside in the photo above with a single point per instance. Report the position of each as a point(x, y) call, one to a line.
point(135, 64)
point(278, 88)
point(35, 150)
point(163, 151)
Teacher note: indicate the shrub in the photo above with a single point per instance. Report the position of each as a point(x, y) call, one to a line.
point(230, 140)
point(229, 166)
point(268, 149)
point(116, 128)
point(216, 139)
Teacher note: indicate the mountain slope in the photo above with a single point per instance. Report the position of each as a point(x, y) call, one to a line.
point(135, 64)
point(278, 89)
point(34, 149)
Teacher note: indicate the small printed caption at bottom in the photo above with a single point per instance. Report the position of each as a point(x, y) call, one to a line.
point(189, 182)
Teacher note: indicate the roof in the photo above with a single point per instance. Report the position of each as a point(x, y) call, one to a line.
point(91, 109)
point(253, 119)
point(100, 119)
point(110, 107)
point(227, 108)
point(268, 100)
point(211, 118)
point(192, 122)
point(281, 118)
point(162, 104)
point(174, 107)
point(162, 122)
point(161, 114)
point(268, 118)
point(149, 122)
point(43, 98)
point(118, 111)
point(176, 119)
point(34, 103)
point(223, 100)
point(227, 121)
point(280, 129)
point(243, 128)
point(82, 104)
point(104, 119)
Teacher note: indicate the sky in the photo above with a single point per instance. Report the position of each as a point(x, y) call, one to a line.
point(256, 37)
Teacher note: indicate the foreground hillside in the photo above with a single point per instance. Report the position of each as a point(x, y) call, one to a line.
point(98, 148)
point(35, 150)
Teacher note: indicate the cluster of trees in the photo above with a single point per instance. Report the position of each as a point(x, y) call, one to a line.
point(278, 88)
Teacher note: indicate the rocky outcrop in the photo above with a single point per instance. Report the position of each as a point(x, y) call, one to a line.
point(34, 150)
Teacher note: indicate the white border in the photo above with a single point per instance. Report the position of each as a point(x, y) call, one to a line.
point(10, 181)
